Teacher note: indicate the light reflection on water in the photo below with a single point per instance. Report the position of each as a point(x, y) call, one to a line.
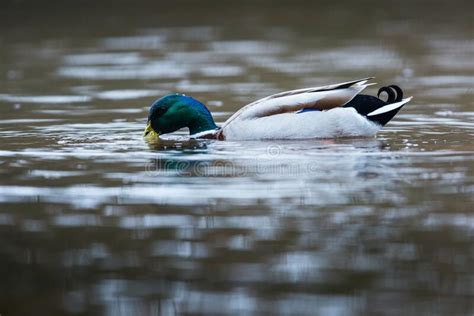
point(93, 220)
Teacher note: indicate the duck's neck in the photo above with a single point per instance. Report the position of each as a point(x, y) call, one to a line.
point(200, 119)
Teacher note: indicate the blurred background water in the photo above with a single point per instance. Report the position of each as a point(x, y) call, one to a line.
point(94, 221)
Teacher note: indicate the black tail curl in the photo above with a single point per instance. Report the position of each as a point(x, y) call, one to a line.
point(365, 104)
point(394, 93)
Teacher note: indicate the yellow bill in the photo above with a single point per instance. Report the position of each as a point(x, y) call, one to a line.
point(149, 132)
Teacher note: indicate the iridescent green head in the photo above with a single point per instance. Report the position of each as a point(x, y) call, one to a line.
point(176, 111)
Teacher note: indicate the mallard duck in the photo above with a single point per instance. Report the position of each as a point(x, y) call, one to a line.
point(337, 110)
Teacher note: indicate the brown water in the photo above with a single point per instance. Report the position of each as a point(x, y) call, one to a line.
point(94, 221)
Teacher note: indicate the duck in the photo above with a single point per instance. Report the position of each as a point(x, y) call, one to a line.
point(331, 111)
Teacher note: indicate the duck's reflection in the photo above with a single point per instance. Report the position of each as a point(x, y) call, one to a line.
point(188, 145)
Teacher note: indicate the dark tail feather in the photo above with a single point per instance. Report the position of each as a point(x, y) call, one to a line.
point(390, 94)
point(377, 110)
point(399, 92)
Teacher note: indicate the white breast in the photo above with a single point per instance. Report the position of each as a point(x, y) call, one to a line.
point(337, 122)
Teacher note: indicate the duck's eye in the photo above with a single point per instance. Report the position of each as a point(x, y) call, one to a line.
point(156, 113)
point(160, 111)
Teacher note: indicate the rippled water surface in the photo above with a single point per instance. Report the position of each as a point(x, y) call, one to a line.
point(95, 221)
